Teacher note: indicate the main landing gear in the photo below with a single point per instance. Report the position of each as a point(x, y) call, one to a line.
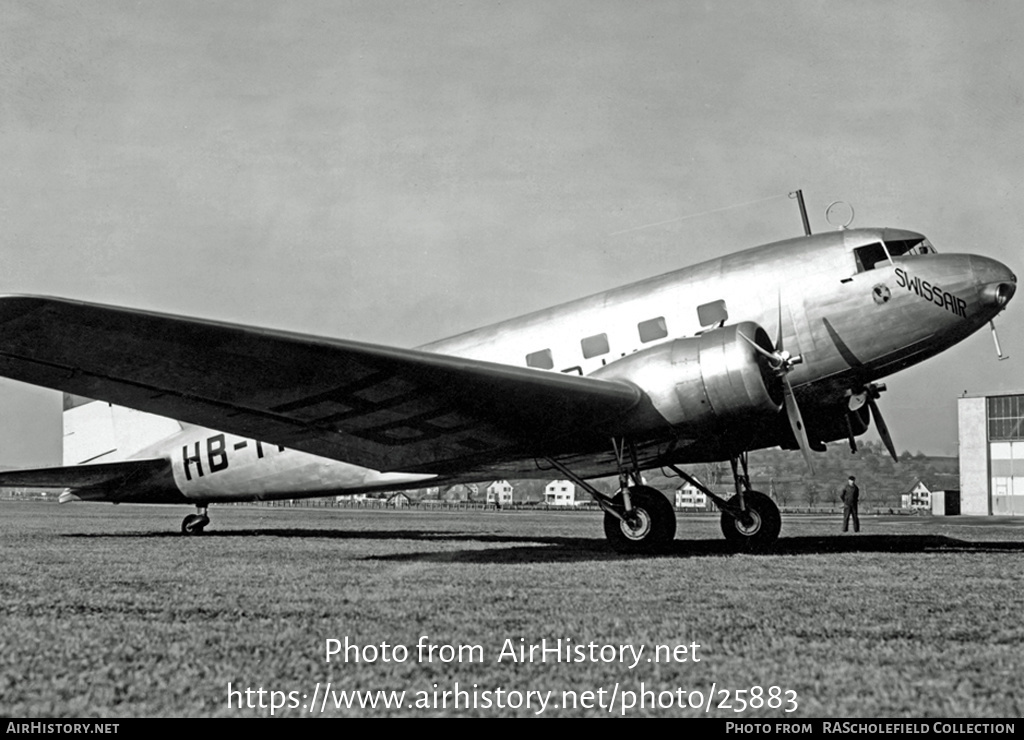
point(755, 527)
point(195, 523)
point(638, 519)
point(750, 520)
point(648, 526)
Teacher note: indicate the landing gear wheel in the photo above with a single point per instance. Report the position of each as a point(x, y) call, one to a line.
point(650, 525)
point(755, 529)
point(194, 524)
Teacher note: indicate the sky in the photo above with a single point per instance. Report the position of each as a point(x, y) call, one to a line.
point(397, 172)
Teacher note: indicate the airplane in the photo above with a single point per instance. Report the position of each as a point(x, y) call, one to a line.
point(778, 345)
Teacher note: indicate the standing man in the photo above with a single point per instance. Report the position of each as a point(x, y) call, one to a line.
point(850, 497)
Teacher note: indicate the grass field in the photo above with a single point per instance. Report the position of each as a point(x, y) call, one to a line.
point(108, 611)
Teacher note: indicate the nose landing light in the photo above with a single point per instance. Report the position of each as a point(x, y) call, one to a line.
point(997, 295)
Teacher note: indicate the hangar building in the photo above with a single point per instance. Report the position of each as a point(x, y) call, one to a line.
point(991, 430)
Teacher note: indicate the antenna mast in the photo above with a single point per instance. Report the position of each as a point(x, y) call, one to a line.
point(799, 195)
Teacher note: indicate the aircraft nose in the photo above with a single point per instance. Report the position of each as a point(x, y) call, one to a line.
point(996, 283)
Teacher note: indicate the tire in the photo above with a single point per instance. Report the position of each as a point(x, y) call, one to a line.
point(762, 529)
point(194, 524)
point(655, 522)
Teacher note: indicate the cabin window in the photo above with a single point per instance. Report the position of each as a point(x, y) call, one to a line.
point(712, 313)
point(595, 346)
point(870, 255)
point(540, 360)
point(652, 329)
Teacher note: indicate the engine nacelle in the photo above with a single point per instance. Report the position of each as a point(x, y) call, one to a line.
point(831, 424)
point(707, 379)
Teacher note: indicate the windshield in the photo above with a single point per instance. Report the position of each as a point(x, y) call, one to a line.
point(876, 253)
point(909, 246)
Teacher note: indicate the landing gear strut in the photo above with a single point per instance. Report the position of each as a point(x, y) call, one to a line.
point(195, 523)
point(638, 519)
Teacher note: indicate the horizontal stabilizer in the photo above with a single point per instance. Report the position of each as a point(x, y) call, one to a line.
point(143, 481)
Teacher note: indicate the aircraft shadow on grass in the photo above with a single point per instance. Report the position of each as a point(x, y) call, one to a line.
point(543, 549)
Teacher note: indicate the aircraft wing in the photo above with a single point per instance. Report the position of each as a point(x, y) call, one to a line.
point(377, 407)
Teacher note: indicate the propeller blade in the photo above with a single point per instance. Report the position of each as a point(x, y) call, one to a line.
point(783, 363)
point(796, 422)
point(883, 430)
point(770, 355)
point(778, 332)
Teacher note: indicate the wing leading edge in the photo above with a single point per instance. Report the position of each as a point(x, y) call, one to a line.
point(374, 406)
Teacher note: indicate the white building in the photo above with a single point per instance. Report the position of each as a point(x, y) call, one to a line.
point(918, 497)
point(991, 431)
point(560, 493)
point(691, 498)
point(500, 491)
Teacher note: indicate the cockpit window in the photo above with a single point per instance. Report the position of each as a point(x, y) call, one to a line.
point(870, 255)
point(910, 246)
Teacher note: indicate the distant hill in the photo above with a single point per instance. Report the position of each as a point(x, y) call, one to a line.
point(881, 480)
point(784, 474)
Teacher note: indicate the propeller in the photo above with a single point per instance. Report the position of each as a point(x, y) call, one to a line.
point(869, 394)
point(781, 363)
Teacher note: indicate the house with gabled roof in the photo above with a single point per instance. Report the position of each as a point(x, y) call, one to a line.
point(560, 493)
point(500, 492)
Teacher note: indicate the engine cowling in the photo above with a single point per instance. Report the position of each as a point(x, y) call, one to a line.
point(705, 380)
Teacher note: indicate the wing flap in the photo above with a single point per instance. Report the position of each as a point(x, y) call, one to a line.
point(375, 406)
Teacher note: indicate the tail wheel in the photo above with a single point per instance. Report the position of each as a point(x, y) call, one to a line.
point(755, 529)
point(194, 524)
point(649, 526)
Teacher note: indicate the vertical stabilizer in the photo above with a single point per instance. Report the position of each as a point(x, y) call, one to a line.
point(95, 431)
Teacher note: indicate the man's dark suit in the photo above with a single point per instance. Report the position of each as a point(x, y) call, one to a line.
point(850, 497)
